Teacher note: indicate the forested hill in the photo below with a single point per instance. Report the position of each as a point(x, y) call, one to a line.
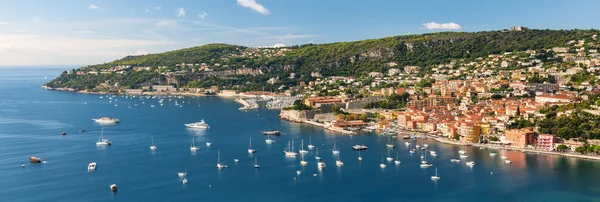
point(342, 58)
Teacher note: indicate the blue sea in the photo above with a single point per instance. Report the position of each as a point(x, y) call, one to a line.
point(32, 119)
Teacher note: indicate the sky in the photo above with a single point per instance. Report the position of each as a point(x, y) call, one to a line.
point(82, 32)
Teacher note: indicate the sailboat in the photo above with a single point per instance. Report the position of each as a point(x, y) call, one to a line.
point(256, 163)
point(289, 150)
point(389, 144)
point(335, 150)
point(193, 147)
point(152, 146)
point(250, 150)
point(397, 161)
point(269, 140)
point(382, 165)
point(310, 146)
point(219, 164)
point(389, 158)
point(339, 162)
point(102, 141)
point(435, 177)
point(359, 157)
point(302, 161)
point(302, 151)
point(317, 155)
point(424, 163)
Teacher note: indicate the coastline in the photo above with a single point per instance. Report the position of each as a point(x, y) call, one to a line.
point(555, 153)
point(314, 123)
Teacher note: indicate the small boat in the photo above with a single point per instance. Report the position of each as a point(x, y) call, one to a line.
point(182, 174)
point(113, 187)
point(35, 159)
point(236, 160)
point(359, 157)
point(435, 177)
point(397, 162)
point(317, 155)
point(106, 120)
point(184, 181)
point(335, 150)
point(389, 144)
point(417, 146)
point(503, 157)
point(250, 150)
point(507, 161)
point(152, 146)
point(302, 161)
point(432, 153)
point(310, 146)
point(339, 162)
point(425, 146)
point(389, 158)
point(424, 163)
point(298, 172)
point(407, 143)
point(462, 156)
point(493, 154)
point(470, 163)
point(116, 105)
point(455, 160)
point(92, 166)
point(208, 144)
point(63, 133)
point(82, 131)
point(382, 165)
point(198, 125)
point(359, 147)
point(219, 164)
point(462, 152)
point(411, 152)
point(102, 141)
point(194, 147)
point(321, 164)
point(256, 163)
point(302, 151)
point(269, 140)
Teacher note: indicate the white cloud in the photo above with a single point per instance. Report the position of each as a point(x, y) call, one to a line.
point(290, 36)
point(202, 15)
point(277, 45)
point(180, 12)
point(251, 4)
point(435, 25)
point(94, 7)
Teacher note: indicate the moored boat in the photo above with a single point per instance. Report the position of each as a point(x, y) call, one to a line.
point(35, 159)
point(198, 125)
point(107, 120)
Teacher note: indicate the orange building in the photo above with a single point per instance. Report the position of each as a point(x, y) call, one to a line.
point(520, 137)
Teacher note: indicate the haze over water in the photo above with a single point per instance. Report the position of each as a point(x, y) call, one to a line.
point(31, 120)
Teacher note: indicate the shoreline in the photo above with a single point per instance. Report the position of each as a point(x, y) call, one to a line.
point(314, 123)
point(554, 153)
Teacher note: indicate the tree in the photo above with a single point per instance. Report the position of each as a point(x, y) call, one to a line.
point(518, 112)
point(497, 96)
point(562, 147)
point(580, 149)
point(337, 109)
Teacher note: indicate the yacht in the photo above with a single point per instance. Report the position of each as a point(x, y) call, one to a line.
point(412, 151)
point(106, 120)
point(113, 187)
point(102, 141)
point(389, 144)
point(182, 174)
point(289, 150)
point(193, 147)
point(250, 150)
point(425, 146)
point(321, 164)
point(298, 172)
point(219, 164)
point(335, 150)
point(302, 151)
point(270, 132)
point(407, 143)
point(92, 166)
point(152, 146)
point(424, 163)
point(435, 177)
point(269, 140)
point(470, 163)
point(236, 160)
point(198, 125)
point(256, 163)
point(397, 162)
point(417, 146)
point(359, 147)
point(389, 158)
point(310, 146)
point(317, 155)
point(382, 165)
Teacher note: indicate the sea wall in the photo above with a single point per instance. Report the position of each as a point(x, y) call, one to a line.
point(298, 115)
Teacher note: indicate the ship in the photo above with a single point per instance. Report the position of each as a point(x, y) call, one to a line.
point(106, 120)
point(199, 125)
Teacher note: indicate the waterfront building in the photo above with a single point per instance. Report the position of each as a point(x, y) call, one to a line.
point(470, 132)
point(546, 141)
point(519, 138)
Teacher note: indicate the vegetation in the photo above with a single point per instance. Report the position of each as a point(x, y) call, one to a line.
point(393, 101)
point(298, 105)
point(340, 59)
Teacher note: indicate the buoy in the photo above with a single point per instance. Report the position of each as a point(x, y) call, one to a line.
point(294, 178)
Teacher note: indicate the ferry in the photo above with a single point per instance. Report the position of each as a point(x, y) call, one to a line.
point(359, 147)
point(106, 120)
point(201, 125)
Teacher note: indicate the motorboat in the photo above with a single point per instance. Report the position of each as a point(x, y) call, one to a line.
point(182, 174)
point(236, 160)
point(462, 152)
point(35, 159)
point(462, 156)
point(193, 147)
point(455, 160)
point(219, 164)
point(359, 147)
point(432, 153)
point(493, 154)
point(269, 140)
point(407, 143)
point(152, 146)
point(425, 146)
point(208, 144)
point(107, 120)
point(113, 187)
point(321, 164)
point(503, 157)
point(184, 181)
point(470, 163)
point(198, 125)
point(92, 166)
point(298, 172)
point(507, 161)
point(359, 156)
point(103, 141)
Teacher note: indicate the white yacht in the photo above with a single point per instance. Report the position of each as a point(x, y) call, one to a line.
point(425, 146)
point(424, 163)
point(382, 165)
point(92, 166)
point(102, 141)
point(302, 151)
point(302, 161)
point(256, 163)
point(182, 174)
point(335, 150)
point(310, 146)
point(236, 160)
point(250, 150)
point(198, 125)
point(113, 187)
point(462, 156)
point(219, 164)
point(455, 160)
point(407, 143)
point(208, 144)
point(435, 177)
point(321, 164)
point(194, 147)
point(152, 146)
point(106, 120)
point(493, 154)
